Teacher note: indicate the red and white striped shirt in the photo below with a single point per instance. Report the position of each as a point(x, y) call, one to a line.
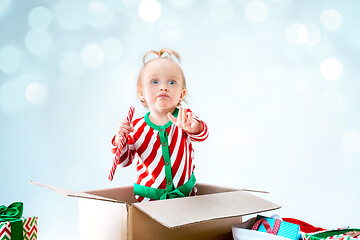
point(144, 143)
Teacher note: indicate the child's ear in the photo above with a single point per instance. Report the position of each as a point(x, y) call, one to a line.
point(183, 93)
point(141, 94)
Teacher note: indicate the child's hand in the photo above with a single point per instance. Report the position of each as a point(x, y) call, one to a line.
point(186, 122)
point(123, 130)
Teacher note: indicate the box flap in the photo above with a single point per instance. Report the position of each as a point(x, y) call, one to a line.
point(122, 194)
point(184, 211)
point(70, 193)
point(210, 189)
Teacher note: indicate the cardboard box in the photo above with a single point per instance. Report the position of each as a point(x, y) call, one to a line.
point(114, 214)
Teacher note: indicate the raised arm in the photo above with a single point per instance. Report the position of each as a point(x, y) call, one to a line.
point(190, 123)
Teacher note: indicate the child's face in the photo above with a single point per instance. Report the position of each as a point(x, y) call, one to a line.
point(162, 85)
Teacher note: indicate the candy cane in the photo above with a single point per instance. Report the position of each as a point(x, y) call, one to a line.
point(116, 158)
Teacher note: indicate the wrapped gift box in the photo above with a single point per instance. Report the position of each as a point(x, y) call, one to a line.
point(243, 231)
point(284, 229)
point(342, 234)
point(29, 229)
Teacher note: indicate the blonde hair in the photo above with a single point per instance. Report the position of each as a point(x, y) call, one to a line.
point(164, 53)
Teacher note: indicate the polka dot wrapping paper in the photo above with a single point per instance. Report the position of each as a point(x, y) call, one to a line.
point(283, 229)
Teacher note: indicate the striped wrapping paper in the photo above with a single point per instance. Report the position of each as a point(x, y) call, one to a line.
point(29, 229)
point(337, 234)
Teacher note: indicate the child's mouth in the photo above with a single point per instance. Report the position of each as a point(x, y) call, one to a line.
point(163, 95)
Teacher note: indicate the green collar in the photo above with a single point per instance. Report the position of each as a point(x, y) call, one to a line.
point(157, 127)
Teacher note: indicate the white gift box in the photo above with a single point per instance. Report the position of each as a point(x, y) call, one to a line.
point(242, 231)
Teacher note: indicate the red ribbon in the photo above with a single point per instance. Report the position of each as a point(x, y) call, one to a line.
point(267, 225)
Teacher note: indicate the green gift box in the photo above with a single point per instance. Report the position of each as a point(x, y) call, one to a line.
point(15, 227)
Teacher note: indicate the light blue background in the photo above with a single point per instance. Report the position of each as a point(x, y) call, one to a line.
point(277, 123)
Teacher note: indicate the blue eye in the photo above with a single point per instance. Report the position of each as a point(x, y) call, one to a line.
point(171, 82)
point(154, 81)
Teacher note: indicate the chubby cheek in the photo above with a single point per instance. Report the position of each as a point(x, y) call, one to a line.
point(149, 93)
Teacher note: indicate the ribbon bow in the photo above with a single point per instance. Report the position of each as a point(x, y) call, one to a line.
point(173, 194)
point(13, 212)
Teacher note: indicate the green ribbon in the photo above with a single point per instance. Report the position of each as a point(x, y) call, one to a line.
point(13, 214)
point(173, 194)
point(161, 194)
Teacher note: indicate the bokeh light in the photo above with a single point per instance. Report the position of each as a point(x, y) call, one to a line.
point(297, 33)
point(13, 97)
point(113, 49)
point(4, 6)
point(331, 19)
point(92, 55)
point(149, 10)
point(314, 36)
point(331, 68)
point(322, 48)
point(99, 15)
point(71, 15)
point(36, 93)
point(222, 11)
point(37, 41)
point(40, 18)
point(303, 34)
point(282, 5)
point(256, 11)
point(10, 58)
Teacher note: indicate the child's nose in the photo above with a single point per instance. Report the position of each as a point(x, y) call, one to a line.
point(163, 88)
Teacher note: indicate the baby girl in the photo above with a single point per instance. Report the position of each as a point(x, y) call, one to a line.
point(161, 141)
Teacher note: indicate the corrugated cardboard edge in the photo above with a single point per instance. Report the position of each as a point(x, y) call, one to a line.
point(128, 221)
point(138, 206)
point(70, 193)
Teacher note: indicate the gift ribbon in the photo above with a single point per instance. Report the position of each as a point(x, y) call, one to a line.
point(173, 194)
point(267, 225)
point(13, 214)
point(161, 194)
